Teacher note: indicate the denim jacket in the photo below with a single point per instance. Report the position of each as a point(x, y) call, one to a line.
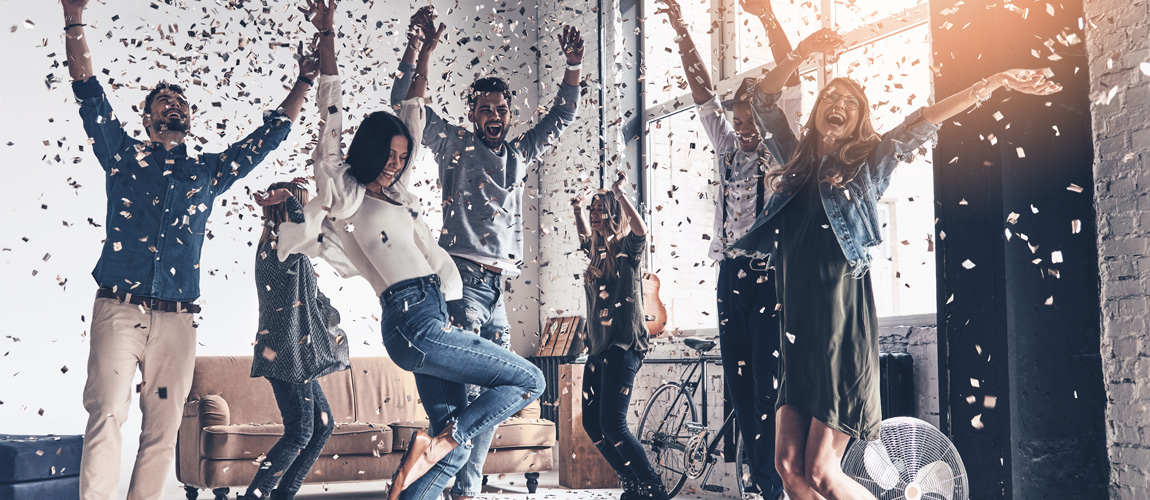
point(159, 200)
point(851, 210)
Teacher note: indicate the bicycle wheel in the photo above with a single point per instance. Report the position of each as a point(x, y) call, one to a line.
point(742, 466)
point(663, 434)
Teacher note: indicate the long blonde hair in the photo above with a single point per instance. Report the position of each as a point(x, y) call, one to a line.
point(858, 146)
point(275, 214)
point(604, 251)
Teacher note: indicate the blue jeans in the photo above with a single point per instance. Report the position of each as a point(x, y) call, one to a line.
point(482, 310)
point(749, 337)
point(607, 381)
point(308, 424)
point(419, 338)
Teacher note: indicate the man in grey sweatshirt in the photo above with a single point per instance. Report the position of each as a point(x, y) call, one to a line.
point(482, 174)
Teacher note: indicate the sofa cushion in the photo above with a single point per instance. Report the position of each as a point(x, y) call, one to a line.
point(328, 469)
point(247, 442)
point(402, 431)
point(517, 460)
point(517, 432)
point(31, 458)
point(384, 392)
point(250, 400)
point(532, 410)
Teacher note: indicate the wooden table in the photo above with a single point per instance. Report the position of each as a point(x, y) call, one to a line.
point(580, 464)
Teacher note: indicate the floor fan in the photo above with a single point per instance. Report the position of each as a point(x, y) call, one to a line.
point(912, 460)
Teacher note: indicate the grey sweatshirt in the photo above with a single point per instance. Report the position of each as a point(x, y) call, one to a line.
point(482, 191)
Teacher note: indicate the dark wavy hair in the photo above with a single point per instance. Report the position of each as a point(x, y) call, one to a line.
point(371, 147)
point(162, 86)
point(489, 85)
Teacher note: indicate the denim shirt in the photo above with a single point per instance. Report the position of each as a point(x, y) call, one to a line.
point(851, 210)
point(159, 200)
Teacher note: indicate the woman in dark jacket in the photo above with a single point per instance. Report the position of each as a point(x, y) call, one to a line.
point(818, 223)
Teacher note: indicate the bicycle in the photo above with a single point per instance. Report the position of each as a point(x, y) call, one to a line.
point(674, 438)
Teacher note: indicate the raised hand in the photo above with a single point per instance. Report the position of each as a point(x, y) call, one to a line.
point(308, 63)
point(421, 18)
point(274, 197)
point(757, 8)
point(674, 14)
point(429, 32)
point(1029, 81)
point(580, 198)
point(73, 8)
point(572, 43)
point(824, 41)
point(620, 183)
point(321, 15)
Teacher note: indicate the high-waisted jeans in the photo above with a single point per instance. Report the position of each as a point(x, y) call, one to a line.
point(481, 310)
point(607, 381)
point(419, 337)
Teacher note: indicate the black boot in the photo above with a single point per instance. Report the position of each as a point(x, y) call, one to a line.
point(630, 489)
point(277, 494)
point(654, 491)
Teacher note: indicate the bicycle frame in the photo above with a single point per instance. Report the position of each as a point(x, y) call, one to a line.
point(691, 383)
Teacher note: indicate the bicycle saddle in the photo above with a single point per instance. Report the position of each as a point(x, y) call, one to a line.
point(698, 344)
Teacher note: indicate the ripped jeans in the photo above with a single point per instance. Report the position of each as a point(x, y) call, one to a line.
point(445, 359)
point(607, 382)
point(481, 310)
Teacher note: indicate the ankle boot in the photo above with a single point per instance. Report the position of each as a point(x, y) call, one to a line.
point(278, 494)
point(654, 491)
point(630, 489)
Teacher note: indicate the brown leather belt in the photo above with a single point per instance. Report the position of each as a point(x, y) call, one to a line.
point(148, 302)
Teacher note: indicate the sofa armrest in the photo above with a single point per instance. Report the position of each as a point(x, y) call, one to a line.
point(198, 413)
point(214, 411)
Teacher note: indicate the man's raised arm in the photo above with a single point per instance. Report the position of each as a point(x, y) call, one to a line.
point(79, 60)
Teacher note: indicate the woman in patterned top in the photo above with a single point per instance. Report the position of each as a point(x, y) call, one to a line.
point(617, 336)
point(298, 342)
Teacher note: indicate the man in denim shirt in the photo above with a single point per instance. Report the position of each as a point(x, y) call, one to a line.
point(482, 174)
point(159, 200)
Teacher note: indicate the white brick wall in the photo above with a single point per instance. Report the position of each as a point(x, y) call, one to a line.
point(1117, 42)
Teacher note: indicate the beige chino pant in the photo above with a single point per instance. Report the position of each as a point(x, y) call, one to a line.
point(163, 345)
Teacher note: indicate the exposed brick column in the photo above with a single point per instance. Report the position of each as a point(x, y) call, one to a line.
point(1117, 44)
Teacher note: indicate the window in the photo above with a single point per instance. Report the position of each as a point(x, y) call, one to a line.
point(888, 52)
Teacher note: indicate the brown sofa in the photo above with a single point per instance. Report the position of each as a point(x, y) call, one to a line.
point(231, 419)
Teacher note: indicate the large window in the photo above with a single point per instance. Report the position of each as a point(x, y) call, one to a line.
point(888, 52)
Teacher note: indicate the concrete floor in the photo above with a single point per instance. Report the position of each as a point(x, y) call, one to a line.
point(511, 486)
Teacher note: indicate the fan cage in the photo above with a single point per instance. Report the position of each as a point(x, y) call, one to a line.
point(912, 460)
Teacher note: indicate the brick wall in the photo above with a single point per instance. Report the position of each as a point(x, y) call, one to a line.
point(1117, 43)
point(572, 164)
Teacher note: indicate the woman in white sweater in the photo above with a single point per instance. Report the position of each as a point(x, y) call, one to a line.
point(364, 222)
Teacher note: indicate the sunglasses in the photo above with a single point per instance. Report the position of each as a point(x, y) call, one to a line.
point(850, 101)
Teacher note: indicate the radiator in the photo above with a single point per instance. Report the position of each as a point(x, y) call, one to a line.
point(549, 401)
point(896, 380)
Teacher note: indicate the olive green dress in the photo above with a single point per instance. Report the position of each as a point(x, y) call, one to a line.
point(829, 344)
